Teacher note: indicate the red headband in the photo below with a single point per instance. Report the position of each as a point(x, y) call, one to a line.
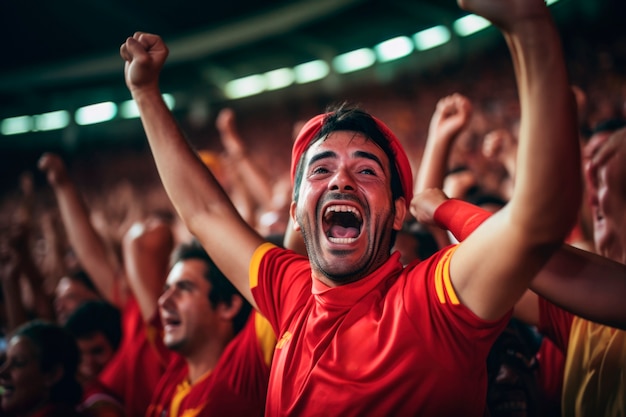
point(312, 128)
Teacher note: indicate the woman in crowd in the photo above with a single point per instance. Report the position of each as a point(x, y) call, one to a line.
point(38, 377)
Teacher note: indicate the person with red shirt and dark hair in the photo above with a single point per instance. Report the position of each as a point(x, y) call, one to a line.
point(217, 353)
point(358, 333)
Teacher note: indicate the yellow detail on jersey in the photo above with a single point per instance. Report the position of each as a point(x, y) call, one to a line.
point(182, 390)
point(255, 262)
point(443, 284)
point(286, 337)
point(439, 282)
point(265, 335)
point(446, 277)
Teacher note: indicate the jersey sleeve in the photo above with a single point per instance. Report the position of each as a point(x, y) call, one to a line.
point(266, 338)
point(431, 302)
point(280, 280)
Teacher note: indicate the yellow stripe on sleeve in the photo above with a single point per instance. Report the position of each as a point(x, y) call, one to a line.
point(265, 335)
point(439, 283)
point(443, 285)
point(255, 262)
point(446, 276)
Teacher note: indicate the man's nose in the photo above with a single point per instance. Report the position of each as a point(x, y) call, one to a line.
point(342, 180)
point(165, 297)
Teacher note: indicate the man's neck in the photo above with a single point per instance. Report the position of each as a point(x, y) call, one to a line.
point(204, 359)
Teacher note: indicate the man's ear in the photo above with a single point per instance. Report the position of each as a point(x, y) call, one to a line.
point(229, 311)
point(400, 215)
point(292, 214)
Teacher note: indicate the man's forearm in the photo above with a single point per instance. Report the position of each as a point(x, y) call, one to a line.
point(547, 134)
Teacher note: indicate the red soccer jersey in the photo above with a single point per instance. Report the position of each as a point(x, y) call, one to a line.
point(396, 343)
point(237, 386)
point(136, 368)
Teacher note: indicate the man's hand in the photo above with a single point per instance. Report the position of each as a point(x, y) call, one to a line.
point(54, 168)
point(424, 205)
point(597, 152)
point(150, 236)
point(229, 136)
point(499, 145)
point(145, 55)
point(451, 115)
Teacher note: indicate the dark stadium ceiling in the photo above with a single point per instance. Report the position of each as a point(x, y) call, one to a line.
point(65, 53)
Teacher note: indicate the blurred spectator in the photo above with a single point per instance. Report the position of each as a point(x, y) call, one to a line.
point(38, 377)
point(96, 326)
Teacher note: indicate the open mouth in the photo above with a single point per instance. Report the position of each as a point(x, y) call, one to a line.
point(170, 322)
point(342, 223)
point(510, 408)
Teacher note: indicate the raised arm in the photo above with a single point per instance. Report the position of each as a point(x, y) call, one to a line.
point(586, 284)
point(270, 196)
point(544, 205)
point(88, 245)
point(196, 195)
point(452, 114)
point(53, 265)
point(256, 181)
point(147, 247)
point(500, 145)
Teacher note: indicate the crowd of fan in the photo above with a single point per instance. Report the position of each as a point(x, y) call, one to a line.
point(71, 248)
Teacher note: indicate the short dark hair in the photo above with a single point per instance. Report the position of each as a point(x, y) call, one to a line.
point(55, 346)
point(608, 125)
point(221, 288)
point(96, 316)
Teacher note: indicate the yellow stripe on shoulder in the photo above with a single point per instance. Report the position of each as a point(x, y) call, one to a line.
point(446, 277)
point(439, 282)
point(443, 284)
point(265, 335)
point(255, 262)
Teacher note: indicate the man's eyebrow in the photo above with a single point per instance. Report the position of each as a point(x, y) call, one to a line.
point(369, 155)
point(185, 282)
point(322, 155)
point(180, 283)
point(358, 154)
